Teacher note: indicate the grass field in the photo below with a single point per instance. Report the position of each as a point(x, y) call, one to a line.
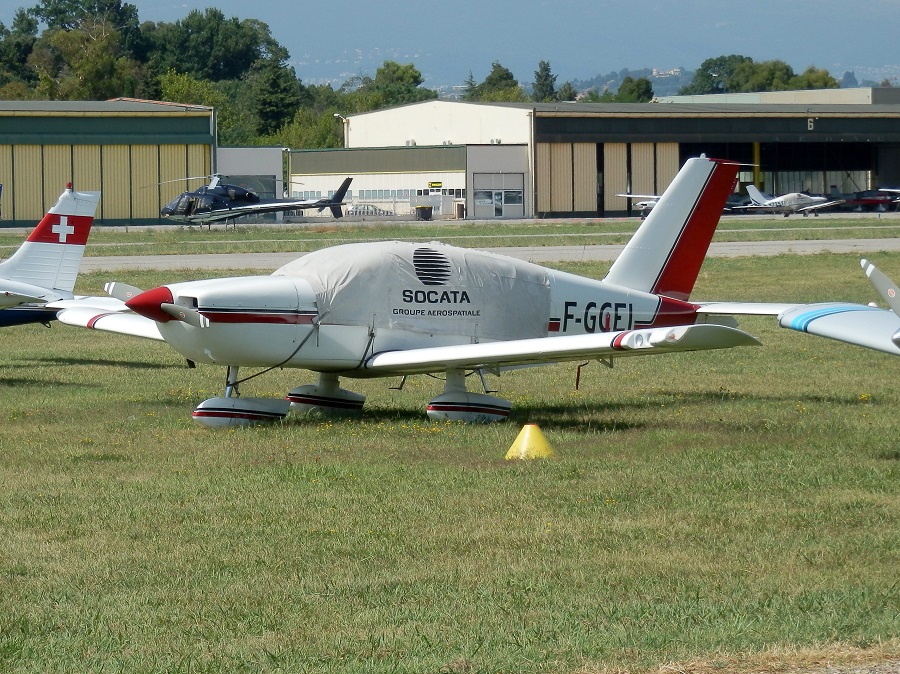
point(174, 239)
point(727, 511)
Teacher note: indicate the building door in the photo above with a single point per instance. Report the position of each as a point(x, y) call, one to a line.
point(498, 195)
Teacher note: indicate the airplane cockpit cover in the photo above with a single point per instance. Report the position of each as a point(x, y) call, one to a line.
point(427, 287)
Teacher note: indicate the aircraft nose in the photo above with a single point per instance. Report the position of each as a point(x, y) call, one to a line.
point(149, 304)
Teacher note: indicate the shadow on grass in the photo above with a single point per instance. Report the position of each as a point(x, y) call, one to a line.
point(586, 413)
point(130, 364)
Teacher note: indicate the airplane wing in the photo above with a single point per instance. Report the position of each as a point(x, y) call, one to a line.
point(95, 318)
point(639, 196)
point(857, 324)
point(815, 207)
point(745, 308)
point(544, 350)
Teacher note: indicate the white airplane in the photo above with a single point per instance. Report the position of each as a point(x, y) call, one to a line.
point(44, 268)
point(795, 202)
point(392, 309)
point(646, 203)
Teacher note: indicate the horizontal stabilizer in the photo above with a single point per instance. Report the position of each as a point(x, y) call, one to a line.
point(745, 308)
point(11, 299)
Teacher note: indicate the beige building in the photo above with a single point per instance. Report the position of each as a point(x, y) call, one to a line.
point(573, 159)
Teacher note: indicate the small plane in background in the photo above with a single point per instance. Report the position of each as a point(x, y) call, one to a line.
point(217, 201)
point(794, 202)
point(44, 268)
point(865, 200)
point(394, 309)
point(646, 203)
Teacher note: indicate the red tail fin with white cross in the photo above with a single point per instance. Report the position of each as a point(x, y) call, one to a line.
point(51, 256)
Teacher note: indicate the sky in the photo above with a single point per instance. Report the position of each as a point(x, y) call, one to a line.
point(331, 42)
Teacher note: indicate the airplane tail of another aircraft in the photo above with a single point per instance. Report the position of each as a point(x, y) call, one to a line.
point(757, 197)
point(51, 256)
point(338, 198)
point(665, 254)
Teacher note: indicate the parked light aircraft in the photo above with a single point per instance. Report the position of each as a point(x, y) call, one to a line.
point(865, 200)
point(216, 202)
point(390, 309)
point(44, 268)
point(795, 202)
point(646, 203)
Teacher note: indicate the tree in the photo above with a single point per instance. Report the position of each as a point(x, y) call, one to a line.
point(544, 85)
point(397, 84)
point(814, 78)
point(16, 44)
point(766, 76)
point(470, 88)
point(499, 85)
point(83, 63)
point(714, 75)
point(277, 94)
point(70, 14)
point(310, 129)
point(567, 92)
point(638, 90)
point(207, 46)
point(232, 123)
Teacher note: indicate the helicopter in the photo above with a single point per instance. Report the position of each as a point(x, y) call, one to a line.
point(217, 201)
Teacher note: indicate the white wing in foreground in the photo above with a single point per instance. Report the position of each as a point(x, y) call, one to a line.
point(110, 321)
point(490, 355)
point(857, 324)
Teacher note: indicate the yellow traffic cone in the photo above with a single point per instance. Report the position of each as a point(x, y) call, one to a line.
point(530, 444)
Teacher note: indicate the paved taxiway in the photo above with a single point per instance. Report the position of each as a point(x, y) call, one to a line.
point(539, 254)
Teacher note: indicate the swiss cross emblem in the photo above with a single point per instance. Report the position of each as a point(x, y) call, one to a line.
point(63, 228)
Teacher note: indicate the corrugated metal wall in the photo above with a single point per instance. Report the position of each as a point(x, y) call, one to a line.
point(130, 177)
point(643, 169)
point(585, 182)
point(27, 183)
point(615, 176)
point(115, 202)
point(561, 177)
point(6, 165)
point(666, 164)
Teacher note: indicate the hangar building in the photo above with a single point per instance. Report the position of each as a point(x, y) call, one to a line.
point(137, 153)
point(504, 160)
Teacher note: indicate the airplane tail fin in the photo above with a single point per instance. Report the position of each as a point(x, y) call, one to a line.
point(757, 197)
point(883, 284)
point(665, 254)
point(51, 256)
point(338, 198)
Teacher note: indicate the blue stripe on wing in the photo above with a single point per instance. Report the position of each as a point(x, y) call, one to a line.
point(802, 321)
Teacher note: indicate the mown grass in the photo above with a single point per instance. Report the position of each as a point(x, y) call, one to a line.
point(176, 239)
point(706, 512)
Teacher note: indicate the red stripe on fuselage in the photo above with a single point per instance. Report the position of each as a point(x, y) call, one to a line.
point(681, 269)
point(279, 318)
